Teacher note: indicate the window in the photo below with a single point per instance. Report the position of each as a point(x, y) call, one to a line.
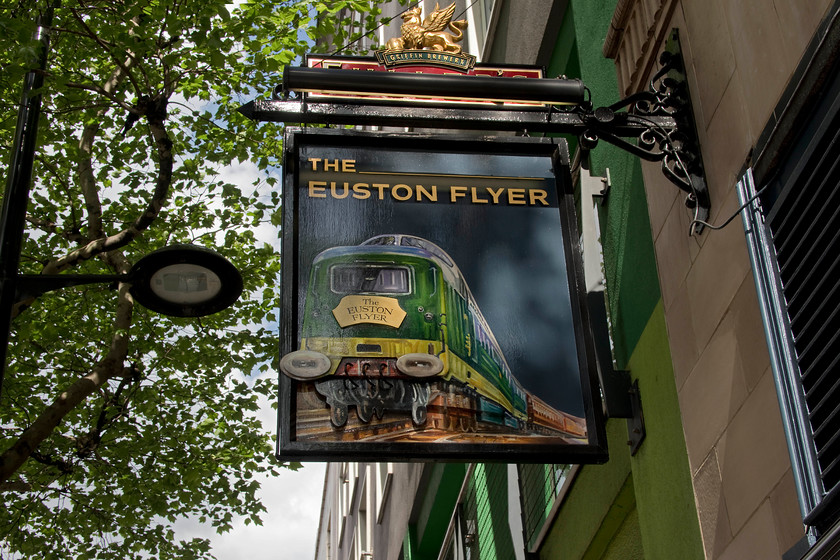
point(542, 488)
point(481, 18)
point(384, 477)
point(348, 479)
point(481, 525)
point(362, 538)
point(348, 279)
point(793, 233)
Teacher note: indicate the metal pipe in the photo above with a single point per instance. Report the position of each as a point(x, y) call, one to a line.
point(434, 86)
point(15, 200)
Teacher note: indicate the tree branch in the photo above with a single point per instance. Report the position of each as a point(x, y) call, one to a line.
point(155, 113)
point(101, 91)
point(15, 487)
point(110, 366)
point(124, 66)
point(87, 179)
point(63, 466)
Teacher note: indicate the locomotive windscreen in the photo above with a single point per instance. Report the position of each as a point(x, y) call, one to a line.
point(353, 279)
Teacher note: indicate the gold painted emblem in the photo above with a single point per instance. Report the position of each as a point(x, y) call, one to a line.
point(438, 32)
point(377, 310)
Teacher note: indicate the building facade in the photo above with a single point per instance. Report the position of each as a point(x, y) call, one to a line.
point(731, 333)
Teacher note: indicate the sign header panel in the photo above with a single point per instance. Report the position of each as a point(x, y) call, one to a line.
point(424, 62)
point(433, 304)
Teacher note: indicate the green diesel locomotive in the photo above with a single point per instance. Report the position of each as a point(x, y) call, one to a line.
point(385, 320)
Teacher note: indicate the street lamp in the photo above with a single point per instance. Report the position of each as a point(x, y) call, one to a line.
point(179, 280)
point(185, 281)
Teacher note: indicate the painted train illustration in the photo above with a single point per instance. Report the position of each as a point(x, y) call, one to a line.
point(391, 325)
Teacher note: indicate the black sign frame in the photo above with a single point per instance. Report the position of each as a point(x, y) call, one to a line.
point(553, 152)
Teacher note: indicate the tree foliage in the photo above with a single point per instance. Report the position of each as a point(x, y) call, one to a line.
point(116, 421)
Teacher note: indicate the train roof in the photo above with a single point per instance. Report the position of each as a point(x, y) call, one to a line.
point(403, 240)
point(403, 245)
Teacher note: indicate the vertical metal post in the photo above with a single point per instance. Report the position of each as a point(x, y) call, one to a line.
point(16, 198)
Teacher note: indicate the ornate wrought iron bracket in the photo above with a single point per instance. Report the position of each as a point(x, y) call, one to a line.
point(655, 125)
point(676, 146)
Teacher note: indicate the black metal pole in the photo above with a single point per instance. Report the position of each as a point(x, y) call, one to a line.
point(16, 198)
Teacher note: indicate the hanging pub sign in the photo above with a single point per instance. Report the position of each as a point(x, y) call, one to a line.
point(433, 303)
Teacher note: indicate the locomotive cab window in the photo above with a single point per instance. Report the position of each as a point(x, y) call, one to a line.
point(350, 279)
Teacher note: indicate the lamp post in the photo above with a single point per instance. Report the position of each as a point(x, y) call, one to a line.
point(13, 212)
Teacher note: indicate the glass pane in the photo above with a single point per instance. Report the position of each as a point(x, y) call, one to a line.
point(369, 279)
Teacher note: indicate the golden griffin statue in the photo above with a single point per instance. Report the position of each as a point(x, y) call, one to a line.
point(437, 32)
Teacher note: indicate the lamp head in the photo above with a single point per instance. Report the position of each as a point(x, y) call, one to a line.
point(185, 281)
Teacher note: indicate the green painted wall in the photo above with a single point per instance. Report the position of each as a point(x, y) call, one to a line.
point(590, 501)
point(627, 543)
point(655, 483)
point(425, 536)
point(630, 266)
point(661, 473)
point(618, 536)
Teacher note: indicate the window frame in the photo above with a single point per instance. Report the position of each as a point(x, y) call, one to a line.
point(778, 334)
point(384, 480)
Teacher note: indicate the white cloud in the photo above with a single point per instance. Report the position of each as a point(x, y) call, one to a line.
point(290, 526)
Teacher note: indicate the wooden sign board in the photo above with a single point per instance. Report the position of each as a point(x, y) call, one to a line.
point(433, 302)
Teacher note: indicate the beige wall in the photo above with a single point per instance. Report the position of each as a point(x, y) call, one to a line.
point(349, 487)
point(739, 56)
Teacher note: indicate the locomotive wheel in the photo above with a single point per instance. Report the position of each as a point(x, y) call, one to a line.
point(418, 414)
point(365, 412)
point(338, 415)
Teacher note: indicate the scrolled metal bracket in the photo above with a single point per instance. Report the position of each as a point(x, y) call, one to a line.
point(673, 142)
